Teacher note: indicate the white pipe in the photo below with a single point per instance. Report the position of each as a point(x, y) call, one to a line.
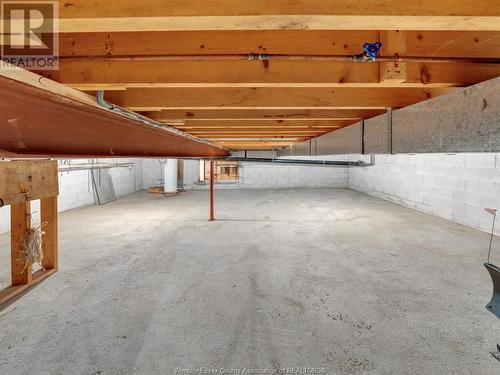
point(170, 176)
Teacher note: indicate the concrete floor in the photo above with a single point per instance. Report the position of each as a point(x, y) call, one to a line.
point(312, 278)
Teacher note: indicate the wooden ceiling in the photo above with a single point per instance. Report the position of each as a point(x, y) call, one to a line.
point(272, 103)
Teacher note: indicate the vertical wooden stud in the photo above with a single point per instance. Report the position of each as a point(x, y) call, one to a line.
point(20, 222)
point(48, 208)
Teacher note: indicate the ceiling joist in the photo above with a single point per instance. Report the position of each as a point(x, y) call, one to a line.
point(150, 15)
point(141, 99)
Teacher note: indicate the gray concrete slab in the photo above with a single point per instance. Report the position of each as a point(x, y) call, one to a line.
point(312, 278)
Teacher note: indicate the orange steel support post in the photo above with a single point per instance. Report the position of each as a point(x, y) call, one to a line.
point(212, 216)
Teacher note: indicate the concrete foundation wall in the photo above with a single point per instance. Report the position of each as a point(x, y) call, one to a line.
point(465, 120)
point(267, 175)
point(456, 187)
point(256, 175)
point(75, 188)
point(377, 134)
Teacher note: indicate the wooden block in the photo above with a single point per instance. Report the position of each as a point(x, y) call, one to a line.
point(20, 223)
point(48, 216)
point(156, 190)
point(395, 44)
point(27, 180)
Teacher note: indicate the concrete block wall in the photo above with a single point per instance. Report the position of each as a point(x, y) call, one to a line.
point(75, 188)
point(256, 175)
point(268, 175)
point(456, 187)
point(152, 172)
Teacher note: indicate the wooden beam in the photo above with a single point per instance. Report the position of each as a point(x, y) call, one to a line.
point(309, 42)
point(143, 99)
point(37, 178)
point(395, 43)
point(265, 123)
point(260, 135)
point(91, 75)
point(153, 8)
point(215, 42)
point(48, 217)
point(151, 15)
point(13, 290)
point(298, 113)
point(467, 74)
point(32, 180)
point(20, 222)
point(266, 22)
point(256, 144)
point(454, 44)
point(192, 129)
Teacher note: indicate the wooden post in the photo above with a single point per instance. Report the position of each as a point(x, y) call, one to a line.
point(48, 207)
point(20, 182)
point(20, 222)
point(212, 216)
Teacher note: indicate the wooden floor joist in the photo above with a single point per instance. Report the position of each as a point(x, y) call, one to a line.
point(150, 15)
point(298, 113)
point(126, 47)
point(430, 44)
point(286, 97)
point(119, 75)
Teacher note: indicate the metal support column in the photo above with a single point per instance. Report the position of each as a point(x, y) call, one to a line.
point(212, 216)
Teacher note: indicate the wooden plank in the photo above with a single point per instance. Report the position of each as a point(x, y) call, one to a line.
point(468, 74)
point(38, 179)
point(308, 42)
point(454, 44)
point(14, 290)
point(215, 42)
point(260, 134)
point(299, 113)
point(256, 145)
point(265, 124)
point(256, 128)
point(280, 22)
point(395, 43)
point(20, 222)
point(152, 8)
point(90, 74)
point(48, 216)
point(144, 99)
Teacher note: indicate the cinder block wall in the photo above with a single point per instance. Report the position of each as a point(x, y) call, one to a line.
point(75, 188)
point(456, 187)
point(265, 175)
point(268, 175)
